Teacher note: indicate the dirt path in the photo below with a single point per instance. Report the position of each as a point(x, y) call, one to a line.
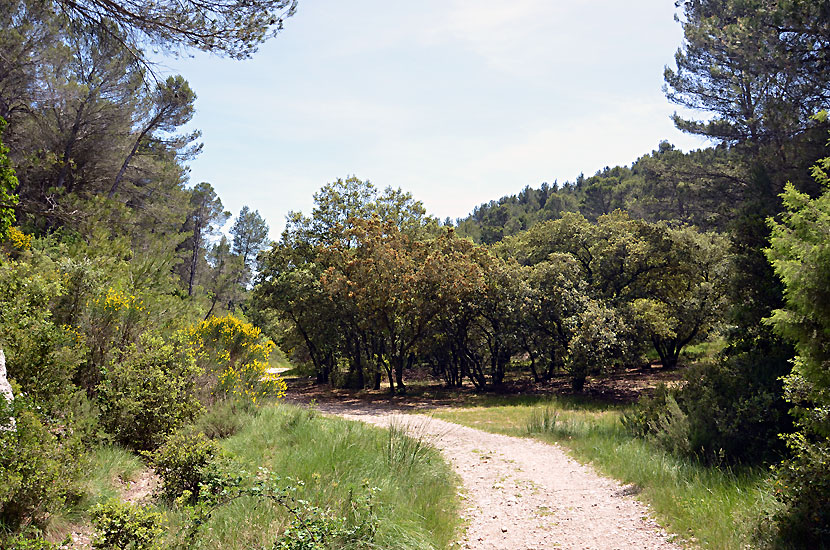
point(522, 494)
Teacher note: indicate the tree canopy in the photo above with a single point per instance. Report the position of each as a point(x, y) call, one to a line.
point(234, 28)
point(759, 67)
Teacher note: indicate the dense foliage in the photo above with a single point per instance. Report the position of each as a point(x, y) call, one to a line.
point(8, 183)
point(800, 253)
point(375, 294)
point(149, 392)
point(122, 525)
point(108, 264)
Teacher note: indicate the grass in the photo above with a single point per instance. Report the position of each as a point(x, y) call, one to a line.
point(711, 507)
point(223, 419)
point(333, 462)
point(337, 462)
point(107, 467)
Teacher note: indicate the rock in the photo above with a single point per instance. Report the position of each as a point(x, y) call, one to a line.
point(5, 391)
point(5, 387)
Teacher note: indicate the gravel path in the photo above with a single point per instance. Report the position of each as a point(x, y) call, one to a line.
point(522, 494)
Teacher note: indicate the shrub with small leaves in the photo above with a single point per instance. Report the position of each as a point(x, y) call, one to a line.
point(315, 528)
point(41, 355)
point(123, 526)
point(641, 418)
point(802, 486)
point(23, 542)
point(181, 463)
point(37, 469)
point(149, 393)
point(660, 419)
point(8, 183)
point(800, 254)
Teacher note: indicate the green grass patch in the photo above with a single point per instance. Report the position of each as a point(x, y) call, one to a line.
point(712, 507)
point(108, 468)
point(706, 350)
point(337, 463)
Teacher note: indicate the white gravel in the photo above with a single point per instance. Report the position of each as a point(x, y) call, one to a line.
point(521, 494)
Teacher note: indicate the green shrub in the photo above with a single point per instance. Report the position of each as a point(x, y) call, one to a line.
point(8, 183)
point(735, 405)
point(660, 419)
point(84, 416)
point(802, 485)
point(22, 542)
point(800, 254)
point(37, 468)
point(641, 419)
point(730, 409)
point(41, 355)
point(181, 462)
point(149, 393)
point(123, 526)
point(672, 429)
point(314, 528)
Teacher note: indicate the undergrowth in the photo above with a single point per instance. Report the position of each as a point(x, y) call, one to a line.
point(287, 479)
point(293, 479)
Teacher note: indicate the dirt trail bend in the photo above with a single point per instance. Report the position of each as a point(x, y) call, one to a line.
point(522, 494)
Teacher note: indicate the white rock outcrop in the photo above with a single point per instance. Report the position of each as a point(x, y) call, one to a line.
point(5, 390)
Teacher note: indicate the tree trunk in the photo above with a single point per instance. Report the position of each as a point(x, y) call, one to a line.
point(400, 360)
point(193, 260)
point(391, 376)
point(355, 378)
point(668, 351)
point(67, 151)
point(212, 305)
point(123, 170)
point(578, 382)
point(533, 371)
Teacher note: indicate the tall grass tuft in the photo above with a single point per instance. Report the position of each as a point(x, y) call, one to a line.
point(109, 468)
point(406, 448)
point(542, 420)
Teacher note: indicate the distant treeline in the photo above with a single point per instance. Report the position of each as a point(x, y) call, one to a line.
point(699, 188)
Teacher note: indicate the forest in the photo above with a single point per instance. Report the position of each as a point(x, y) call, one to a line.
point(135, 333)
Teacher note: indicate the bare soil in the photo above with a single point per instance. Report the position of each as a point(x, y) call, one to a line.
point(141, 489)
point(423, 392)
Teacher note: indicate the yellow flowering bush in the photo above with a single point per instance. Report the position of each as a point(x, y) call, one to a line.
point(115, 300)
point(18, 239)
point(237, 354)
point(114, 320)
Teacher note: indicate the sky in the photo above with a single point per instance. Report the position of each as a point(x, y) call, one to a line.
point(458, 102)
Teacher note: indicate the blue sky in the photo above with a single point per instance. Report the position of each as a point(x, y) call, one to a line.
point(457, 101)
